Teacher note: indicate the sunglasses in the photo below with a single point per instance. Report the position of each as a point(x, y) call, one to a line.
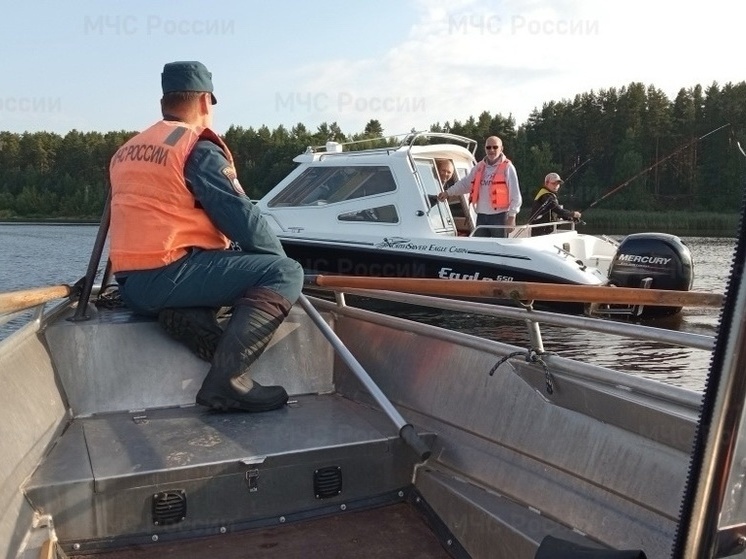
point(491, 147)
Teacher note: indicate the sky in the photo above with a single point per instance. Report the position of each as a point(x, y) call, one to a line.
point(95, 65)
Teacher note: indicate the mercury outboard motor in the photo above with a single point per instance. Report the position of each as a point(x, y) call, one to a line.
point(654, 261)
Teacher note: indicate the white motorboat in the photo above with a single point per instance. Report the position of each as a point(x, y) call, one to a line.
point(375, 212)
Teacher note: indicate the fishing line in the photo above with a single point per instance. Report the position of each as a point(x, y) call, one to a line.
point(625, 183)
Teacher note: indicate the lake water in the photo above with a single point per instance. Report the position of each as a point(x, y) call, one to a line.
point(33, 255)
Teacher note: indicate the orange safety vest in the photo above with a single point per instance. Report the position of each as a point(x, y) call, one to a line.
point(499, 193)
point(155, 219)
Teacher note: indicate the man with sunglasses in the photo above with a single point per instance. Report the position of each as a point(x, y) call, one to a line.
point(494, 191)
point(176, 206)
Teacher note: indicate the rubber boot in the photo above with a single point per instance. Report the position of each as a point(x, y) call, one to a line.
point(229, 385)
point(197, 327)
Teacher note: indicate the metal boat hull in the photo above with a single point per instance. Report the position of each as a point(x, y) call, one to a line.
point(106, 436)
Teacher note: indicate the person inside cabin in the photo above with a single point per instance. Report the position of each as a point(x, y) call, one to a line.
point(546, 207)
point(494, 191)
point(446, 173)
point(176, 207)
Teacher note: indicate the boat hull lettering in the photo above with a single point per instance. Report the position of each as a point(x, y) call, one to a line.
point(448, 273)
point(637, 259)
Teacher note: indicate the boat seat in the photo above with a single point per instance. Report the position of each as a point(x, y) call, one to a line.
point(497, 526)
point(117, 361)
point(141, 475)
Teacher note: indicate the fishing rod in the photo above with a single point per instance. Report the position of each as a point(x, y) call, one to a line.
point(625, 183)
point(577, 169)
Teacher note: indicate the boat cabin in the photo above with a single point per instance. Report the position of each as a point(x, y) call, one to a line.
point(349, 188)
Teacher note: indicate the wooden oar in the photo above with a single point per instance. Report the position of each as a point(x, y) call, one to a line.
point(13, 301)
point(525, 291)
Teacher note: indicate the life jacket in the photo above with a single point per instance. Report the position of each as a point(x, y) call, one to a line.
point(540, 209)
point(499, 193)
point(155, 219)
point(541, 193)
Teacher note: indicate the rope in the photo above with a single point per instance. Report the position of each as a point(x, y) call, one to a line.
point(109, 298)
point(531, 356)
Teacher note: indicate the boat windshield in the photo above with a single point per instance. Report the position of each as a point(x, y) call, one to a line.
point(318, 186)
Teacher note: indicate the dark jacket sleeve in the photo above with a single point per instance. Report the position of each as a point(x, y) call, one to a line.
point(213, 182)
point(560, 211)
point(548, 205)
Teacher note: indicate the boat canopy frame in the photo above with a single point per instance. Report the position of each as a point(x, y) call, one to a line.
point(410, 140)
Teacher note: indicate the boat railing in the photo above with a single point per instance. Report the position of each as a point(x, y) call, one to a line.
point(361, 153)
point(524, 231)
point(15, 304)
point(336, 149)
point(414, 137)
point(409, 139)
point(534, 318)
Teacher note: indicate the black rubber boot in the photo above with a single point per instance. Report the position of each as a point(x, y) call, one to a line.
point(228, 385)
point(197, 327)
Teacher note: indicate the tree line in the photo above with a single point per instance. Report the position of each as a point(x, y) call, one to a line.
point(661, 154)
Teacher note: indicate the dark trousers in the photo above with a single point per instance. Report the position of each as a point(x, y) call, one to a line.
point(491, 219)
point(210, 278)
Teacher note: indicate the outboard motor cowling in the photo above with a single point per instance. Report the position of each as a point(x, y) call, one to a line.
point(655, 261)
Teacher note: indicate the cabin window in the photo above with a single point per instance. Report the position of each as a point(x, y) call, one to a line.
point(381, 214)
point(318, 186)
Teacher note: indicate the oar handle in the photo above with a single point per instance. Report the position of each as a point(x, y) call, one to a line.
point(410, 436)
point(14, 301)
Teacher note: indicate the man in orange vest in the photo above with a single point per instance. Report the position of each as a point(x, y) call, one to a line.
point(494, 190)
point(176, 206)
